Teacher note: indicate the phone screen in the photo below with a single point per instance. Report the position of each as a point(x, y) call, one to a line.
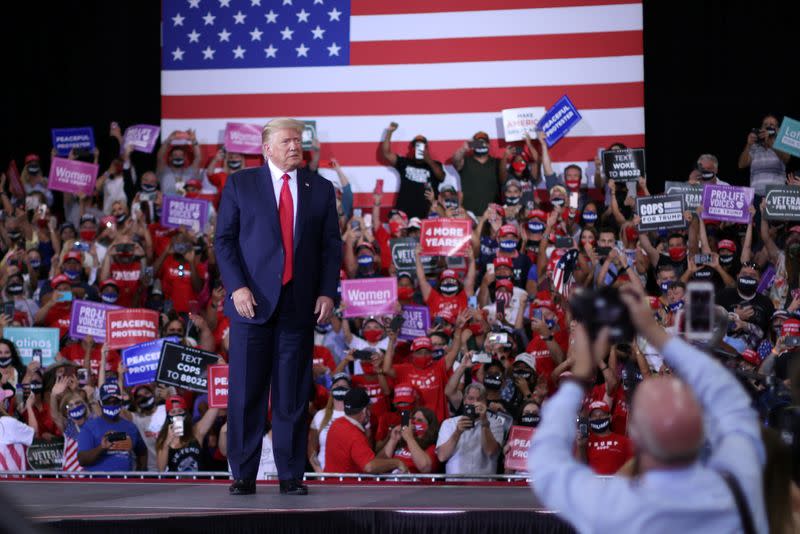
point(472, 302)
point(573, 200)
point(405, 417)
point(379, 186)
point(700, 303)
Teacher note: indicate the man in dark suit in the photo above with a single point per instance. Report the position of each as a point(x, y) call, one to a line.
point(279, 253)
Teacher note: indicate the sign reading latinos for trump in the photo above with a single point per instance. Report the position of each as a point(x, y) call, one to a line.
point(218, 386)
point(72, 176)
point(130, 326)
point(783, 203)
point(519, 121)
point(519, 442)
point(29, 339)
point(184, 367)
point(89, 319)
point(660, 212)
point(692, 193)
point(788, 138)
point(142, 137)
point(369, 296)
point(445, 237)
point(65, 139)
point(177, 212)
point(559, 120)
point(417, 321)
point(141, 362)
point(243, 138)
point(627, 164)
point(727, 203)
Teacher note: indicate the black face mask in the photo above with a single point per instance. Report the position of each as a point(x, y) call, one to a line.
point(512, 201)
point(600, 426)
point(235, 164)
point(493, 382)
point(149, 188)
point(15, 235)
point(438, 354)
point(14, 289)
point(481, 150)
point(181, 247)
point(34, 168)
point(747, 285)
point(146, 403)
point(339, 392)
point(5, 362)
point(448, 289)
point(530, 419)
point(450, 203)
point(726, 261)
point(523, 374)
point(707, 175)
point(177, 162)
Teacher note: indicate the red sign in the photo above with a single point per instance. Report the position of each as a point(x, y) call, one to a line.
point(218, 386)
point(130, 326)
point(445, 237)
point(519, 440)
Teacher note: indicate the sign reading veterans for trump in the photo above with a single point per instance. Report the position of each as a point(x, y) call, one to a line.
point(27, 340)
point(519, 441)
point(788, 138)
point(519, 121)
point(445, 237)
point(692, 193)
point(89, 319)
point(660, 212)
point(46, 454)
point(72, 176)
point(627, 164)
point(727, 203)
point(417, 321)
point(369, 296)
point(559, 120)
point(309, 134)
point(403, 254)
point(184, 367)
point(141, 362)
point(243, 138)
point(218, 386)
point(142, 137)
point(178, 212)
point(130, 326)
point(65, 139)
point(783, 202)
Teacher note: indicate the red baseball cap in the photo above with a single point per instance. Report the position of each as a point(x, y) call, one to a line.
point(544, 300)
point(751, 356)
point(421, 343)
point(173, 400)
point(790, 327)
point(365, 244)
point(537, 214)
point(503, 261)
point(74, 255)
point(501, 211)
point(504, 283)
point(405, 393)
point(599, 405)
point(448, 273)
point(631, 233)
point(727, 244)
point(108, 219)
point(508, 229)
point(197, 184)
point(31, 157)
point(109, 282)
point(60, 279)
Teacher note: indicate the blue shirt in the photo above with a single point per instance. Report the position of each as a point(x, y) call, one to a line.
point(91, 435)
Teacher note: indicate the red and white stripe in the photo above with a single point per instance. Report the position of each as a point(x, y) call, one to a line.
point(443, 69)
point(12, 457)
point(71, 455)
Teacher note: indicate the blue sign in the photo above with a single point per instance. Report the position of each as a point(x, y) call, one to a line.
point(788, 138)
point(141, 362)
point(558, 120)
point(65, 139)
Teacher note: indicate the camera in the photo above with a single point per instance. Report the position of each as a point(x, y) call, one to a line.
point(469, 411)
point(602, 307)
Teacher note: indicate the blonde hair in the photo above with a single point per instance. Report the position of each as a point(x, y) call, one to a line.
point(281, 123)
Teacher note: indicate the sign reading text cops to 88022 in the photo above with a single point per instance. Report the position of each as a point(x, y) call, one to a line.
point(660, 212)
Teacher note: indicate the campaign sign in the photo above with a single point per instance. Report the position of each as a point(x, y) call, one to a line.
point(518, 121)
point(89, 319)
point(29, 339)
point(184, 367)
point(445, 237)
point(309, 134)
point(141, 362)
point(788, 138)
point(403, 253)
point(45, 454)
point(417, 322)
point(177, 212)
point(243, 138)
point(783, 202)
point(72, 176)
point(559, 120)
point(692, 193)
point(627, 164)
point(130, 326)
point(65, 139)
point(727, 203)
point(660, 212)
point(363, 297)
point(519, 441)
point(142, 137)
point(218, 386)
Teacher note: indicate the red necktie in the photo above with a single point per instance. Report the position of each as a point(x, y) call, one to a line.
point(286, 214)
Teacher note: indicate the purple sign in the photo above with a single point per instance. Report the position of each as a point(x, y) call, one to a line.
point(72, 176)
point(243, 138)
point(369, 296)
point(727, 203)
point(417, 322)
point(89, 319)
point(177, 212)
point(142, 137)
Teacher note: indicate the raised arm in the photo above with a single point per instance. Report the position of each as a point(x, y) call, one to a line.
point(386, 145)
point(424, 286)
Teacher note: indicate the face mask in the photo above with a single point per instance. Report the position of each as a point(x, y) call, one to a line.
point(493, 382)
point(323, 328)
point(365, 260)
point(522, 374)
point(14, 289)
point(558, 202)
point(121, 218)
point(771, 131)
point(147, 403)
point(519, 166)
point(35, 264)
point(177, 162)
point(508, 245)
point(707, 175)
point(449, 289)
point(109, 298)
point(373, 336)
point(677, 254)
point(5, 362)
point(532, 246)
point(33, 168)
point(78, 412)
point(88, 235)
point(512, 201)
point(438, 354)
point(234, 164)
point(149, 188)
point(502, 296)
point(599, 426)
point(530, 419)
point(72, 274)
point(339, 392)
point(112, 412)
point(395, 227)
point(481, 150)
point(181, 247)
point(747, 285)
point(551, 323)
point(589, 216)
point(475, 328)
point(420, 428)
point(15, 236)
point(726, 260)
point(675, 306)
point(422, 362)
point(36, 387)
point(450, 203)
point(665, 286)
point(368, 368)
point(405, 292)
point(536, 227)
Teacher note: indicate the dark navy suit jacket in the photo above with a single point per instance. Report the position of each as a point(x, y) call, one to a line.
point(249, 247)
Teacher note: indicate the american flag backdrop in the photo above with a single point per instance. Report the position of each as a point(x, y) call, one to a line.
point(441, 68)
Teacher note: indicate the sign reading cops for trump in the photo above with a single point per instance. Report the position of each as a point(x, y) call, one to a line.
point(65, 139)
point(518, 121)
point(445, 237)
point(627, 164)
point(141, 362)
point(417, 321)
point(692, 193)
point(727, 203)
point(309, 134)
point(369, 296)
point(783, 202)
point(243, 138)
point(29, 339)
point(180, 211)
point(788, 138)
point(559, 120)
point(660, 212)
point(184, 367)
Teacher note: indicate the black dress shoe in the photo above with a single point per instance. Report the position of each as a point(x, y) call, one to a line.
point(243, 487)
point(291, 487)
point(299, 482)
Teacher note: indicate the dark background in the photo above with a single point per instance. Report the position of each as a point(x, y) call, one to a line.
point(712, 70)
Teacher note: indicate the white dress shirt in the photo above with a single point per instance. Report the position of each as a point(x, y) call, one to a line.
point(468, 457)
point(687, 500)
point(277, 185)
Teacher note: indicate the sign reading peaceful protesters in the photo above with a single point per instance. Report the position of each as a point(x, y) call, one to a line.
point(518, 121)
point(363, 297)
point(89, 319)
point(417, 321)
point(218, 386)
point(519, 442)
point(692, 193)
point(184, 367)
point(243, 138)
point(141, 362)
point(626, 164)
point(788, 137)
point(558, 120)
point(445, 237)
point(727, 203)
point(142, 137)
point(34, 338)
point(660, 212)
point(130, 326)
point(177, 212)
point(782, 203)
point(72, 176)
point(65, 139)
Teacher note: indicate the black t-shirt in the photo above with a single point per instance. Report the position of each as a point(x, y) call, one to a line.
point(707, 274)
point(762, 307)
point(680, 266)
point(414, 174)
point(184, 459)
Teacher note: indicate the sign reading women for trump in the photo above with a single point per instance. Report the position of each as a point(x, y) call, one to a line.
point(369, 296)
point(128, 327)
point(445, 237)
point(89, 319)
point(243, 138)
point(72, 176)
point(727, 203)
point(189, 212)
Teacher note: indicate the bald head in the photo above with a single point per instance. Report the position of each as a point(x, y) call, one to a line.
point(667, 420)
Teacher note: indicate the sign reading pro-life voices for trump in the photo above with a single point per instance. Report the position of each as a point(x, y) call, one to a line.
point(142, 137)
point(727, 203)
point(243, 138)
point(445, 237)
point(178, 211)
point(417, 321)
point(89, 319)
point(363, 297)
point(72, 176)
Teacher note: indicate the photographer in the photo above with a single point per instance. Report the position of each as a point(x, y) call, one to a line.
point(767, 165)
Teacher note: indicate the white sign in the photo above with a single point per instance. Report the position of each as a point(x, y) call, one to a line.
point(517, 121)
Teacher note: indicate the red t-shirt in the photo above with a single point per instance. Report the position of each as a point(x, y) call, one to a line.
point(44, 420)
point(606, 454)
point(323, 356)
point(439, 303)
point(382, 237)
point(177, 283)
point(222, 329)
point(385, 424)
point(405, 455)
point(58, 317)
point(162, 236)
point(74, 352)
point(347, 449)
point(430, 382)
point(127, 276)
point(379, 403)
